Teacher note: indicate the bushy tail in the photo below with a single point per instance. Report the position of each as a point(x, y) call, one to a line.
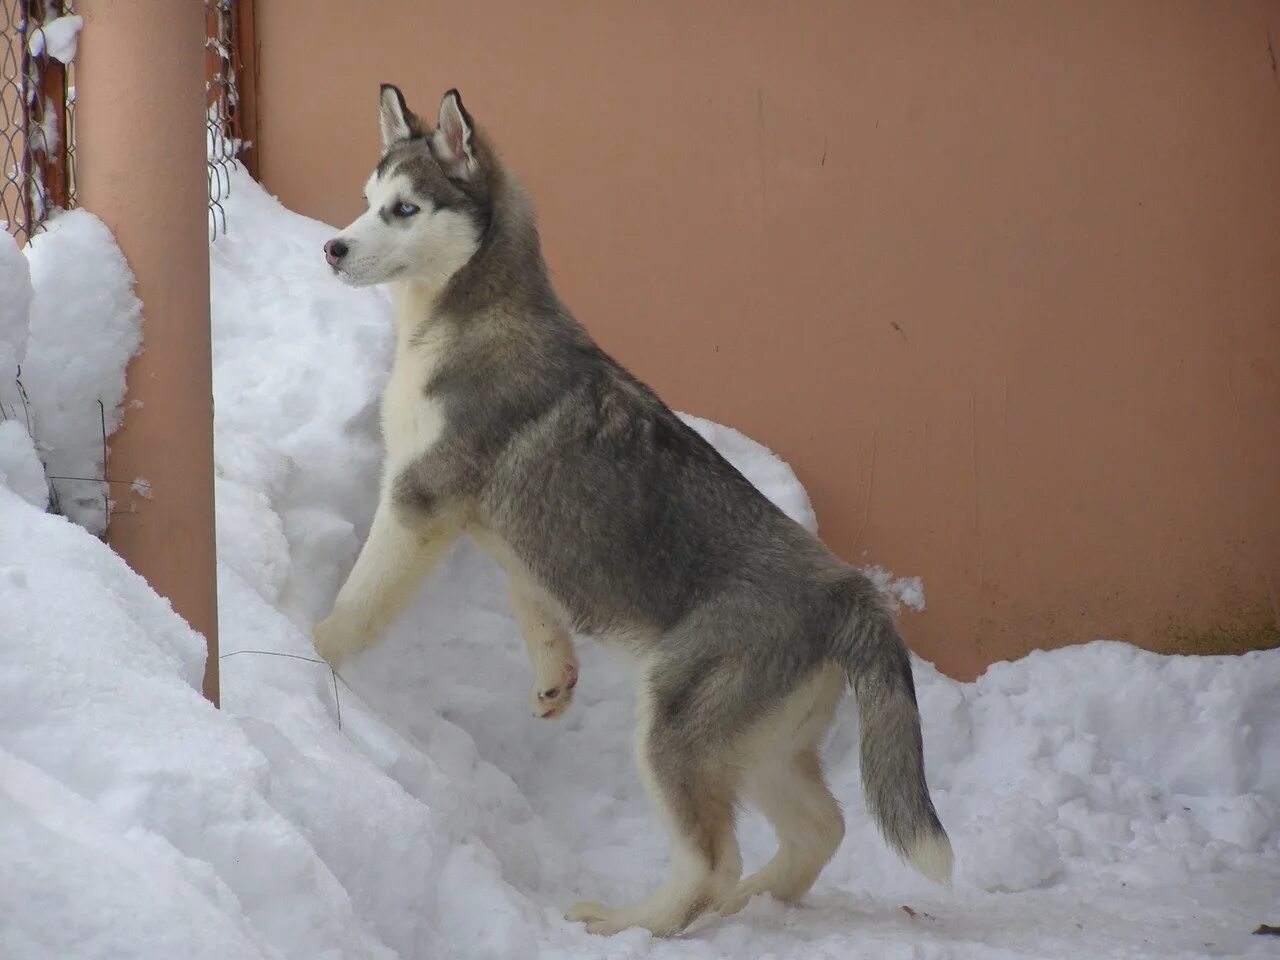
point(879, 668)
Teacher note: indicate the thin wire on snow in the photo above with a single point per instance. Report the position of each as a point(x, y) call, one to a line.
point(337, 702)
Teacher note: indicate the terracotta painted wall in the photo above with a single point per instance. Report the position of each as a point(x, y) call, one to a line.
point(1000, 280)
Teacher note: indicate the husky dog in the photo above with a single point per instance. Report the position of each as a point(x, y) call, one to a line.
point(505, 422)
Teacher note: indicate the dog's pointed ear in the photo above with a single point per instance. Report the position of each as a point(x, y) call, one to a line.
point(397, 121)
point(451, 142)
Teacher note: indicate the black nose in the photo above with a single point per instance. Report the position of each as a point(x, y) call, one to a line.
point(335, 250)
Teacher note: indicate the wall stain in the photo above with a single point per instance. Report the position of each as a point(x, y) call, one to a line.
point(1271, 52)
point(866, 502)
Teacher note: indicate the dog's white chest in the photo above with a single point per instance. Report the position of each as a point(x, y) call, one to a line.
point(412, 421)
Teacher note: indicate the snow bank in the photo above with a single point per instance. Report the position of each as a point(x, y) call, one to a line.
point(15, 309)
point(1103, 802)
point(299, 364)
point(85, 326)
point(139, 820)
point(20, 467)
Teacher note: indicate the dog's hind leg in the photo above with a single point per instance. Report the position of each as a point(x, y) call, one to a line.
point(807, 820)
point(787, 784)
point(401, 549)
point(551, 651)
point(693, 790)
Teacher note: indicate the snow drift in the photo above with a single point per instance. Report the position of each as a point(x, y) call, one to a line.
point(69, 320)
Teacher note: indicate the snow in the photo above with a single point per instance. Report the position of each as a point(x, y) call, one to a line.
point(15, 296)
point(58, 37)
point(20, 467)
point(909, 591)
point(85, 326)
point(15, 307)
point(1103, 802)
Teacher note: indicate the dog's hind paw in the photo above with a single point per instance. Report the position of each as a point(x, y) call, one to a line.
point(585, 910)
point(661, 916)
point(552, 697)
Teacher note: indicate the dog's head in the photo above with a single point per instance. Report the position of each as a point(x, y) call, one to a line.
point(428, 199)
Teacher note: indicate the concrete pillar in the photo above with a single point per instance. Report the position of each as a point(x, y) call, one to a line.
point(141, 168)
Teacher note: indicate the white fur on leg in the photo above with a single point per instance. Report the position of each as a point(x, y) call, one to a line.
point(932, 856)
point(690, 888)
point(391, 564)
point(807, 821)
point(785, 781)
point(692, 884)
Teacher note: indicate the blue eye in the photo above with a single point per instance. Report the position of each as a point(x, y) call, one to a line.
point(405, 209)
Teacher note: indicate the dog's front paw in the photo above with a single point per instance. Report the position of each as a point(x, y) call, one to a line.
point(552, 696)
point(334, 641)
point(599, 919)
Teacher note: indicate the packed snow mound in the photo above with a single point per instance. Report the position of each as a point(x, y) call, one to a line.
point(147, 814)
point(84, 325)
point(299, 363)
point(20, 467)
point(15, 311)
point(15, 296)
point(1103, 802)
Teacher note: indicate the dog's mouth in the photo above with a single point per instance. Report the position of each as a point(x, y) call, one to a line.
point(343, 272)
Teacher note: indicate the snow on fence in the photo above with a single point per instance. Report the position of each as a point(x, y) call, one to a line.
point(37, 112)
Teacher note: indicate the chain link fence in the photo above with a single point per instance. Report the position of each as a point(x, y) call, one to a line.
point(224, 134)
point(37, 112)
point(37, 109)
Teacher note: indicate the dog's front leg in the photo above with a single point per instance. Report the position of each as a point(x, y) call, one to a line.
point(402, 548)
point(551, 652)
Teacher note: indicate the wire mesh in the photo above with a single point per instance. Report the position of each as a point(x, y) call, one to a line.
point(223, 103)
point(37, 130)
point(69, 127)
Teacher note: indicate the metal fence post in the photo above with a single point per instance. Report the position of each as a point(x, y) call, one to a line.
point(142, 162)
